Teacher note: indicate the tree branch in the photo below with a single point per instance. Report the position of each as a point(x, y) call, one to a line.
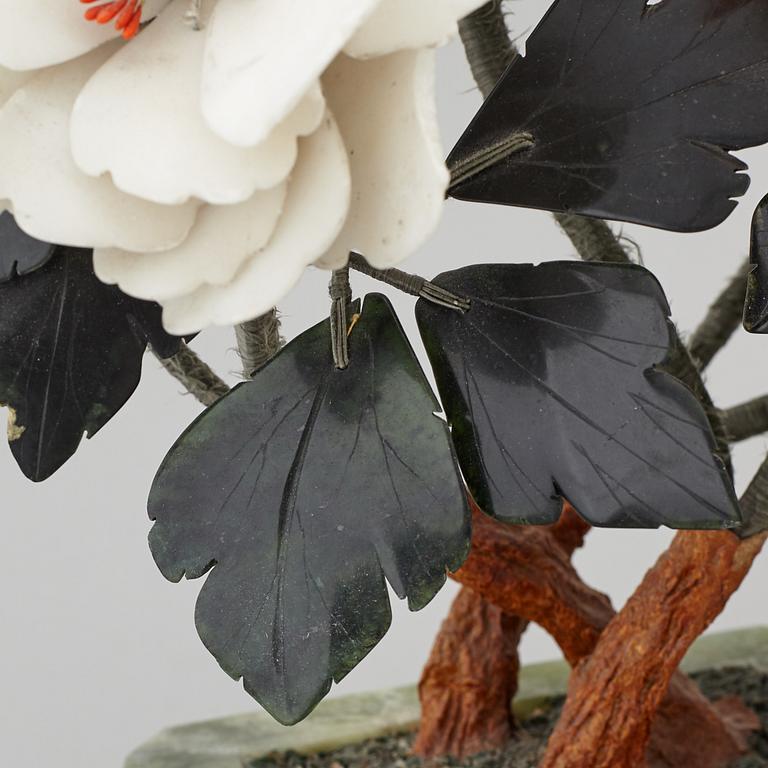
point(258, 341)
point(485, 37)
point(721, 321)
point(754, 507)
point(614, 696)
point(198, 378)
point(526, 572)
point(472, 674)
point(593, 239)
point(523, 571)
point(746, 420)
point(634, 663)
point(470, 680)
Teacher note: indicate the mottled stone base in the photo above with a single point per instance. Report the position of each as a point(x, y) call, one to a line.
point(235, 741)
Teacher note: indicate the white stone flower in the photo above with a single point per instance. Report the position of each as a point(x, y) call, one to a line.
point(208, 167)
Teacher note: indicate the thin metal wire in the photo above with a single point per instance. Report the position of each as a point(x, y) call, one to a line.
point(341, 297)
point(411, 284)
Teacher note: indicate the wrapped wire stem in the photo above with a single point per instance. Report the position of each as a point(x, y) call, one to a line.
point(341, 298)
point(411, 284)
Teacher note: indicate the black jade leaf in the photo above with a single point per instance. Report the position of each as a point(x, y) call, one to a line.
point(756, 306)
point(549, 384)
point(631, 108)
point(305, 488)
point(20, 253)
point(71, 350)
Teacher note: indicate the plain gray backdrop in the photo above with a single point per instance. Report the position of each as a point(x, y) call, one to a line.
point(98, 652)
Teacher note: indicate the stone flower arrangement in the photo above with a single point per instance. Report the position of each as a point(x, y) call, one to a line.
point(168, 166)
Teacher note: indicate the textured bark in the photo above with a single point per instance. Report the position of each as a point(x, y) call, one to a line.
point(198, 378)
point(471, 677)
point(526, 572)
point(722, 320)
point(746, 420)
point(616, 694)
point(523, 572)
point(469, 682)
point(687, 730)
point(258, 341)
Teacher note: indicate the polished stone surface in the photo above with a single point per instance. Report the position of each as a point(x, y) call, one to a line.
point(234, 741)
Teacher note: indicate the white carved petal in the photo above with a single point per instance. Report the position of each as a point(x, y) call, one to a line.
point(139, 119)
point(38, 33)
point(10, 82)
point(262, 56)
point(223, 237)
point(386, 112)
point(397, 25)
point(315, 208)
point(51, 198)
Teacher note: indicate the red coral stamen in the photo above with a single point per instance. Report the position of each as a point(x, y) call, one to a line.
point(125, 13)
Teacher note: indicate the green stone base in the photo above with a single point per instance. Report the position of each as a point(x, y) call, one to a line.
point(235, 741)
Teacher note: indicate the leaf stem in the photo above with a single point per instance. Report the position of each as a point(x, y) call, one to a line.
point(411, 284)
point(198, 378)
point(488, 157)
point(341, 297)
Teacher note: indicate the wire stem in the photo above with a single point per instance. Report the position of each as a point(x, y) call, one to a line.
point(485, 37)
point(746, 420)
point(722, 320)
point(341, 297)
point(754, 505)
point(411, 284)
point(198, 378)
point(258, 341)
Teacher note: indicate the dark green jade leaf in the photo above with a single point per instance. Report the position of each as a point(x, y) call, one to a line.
point(305, 488)
point(71, 350)
point(20, 254)
point(625, 110)
point(549, 384)
point(756, 306)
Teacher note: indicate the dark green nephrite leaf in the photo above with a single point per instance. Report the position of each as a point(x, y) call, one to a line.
point(756, 306)
point(306, 487)
point(549, 384)
point(631, 107)
point(70, 357)
point(20, 253)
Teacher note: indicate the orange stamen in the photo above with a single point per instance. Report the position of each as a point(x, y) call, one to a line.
point(125, 13)
point(133, 25)
point(109, 11)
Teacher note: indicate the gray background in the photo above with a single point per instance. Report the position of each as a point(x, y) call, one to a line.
point(98, 652)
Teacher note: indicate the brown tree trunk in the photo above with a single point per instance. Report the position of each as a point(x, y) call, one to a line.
point(524, 572)
point(470, 680)
point(615, 695)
